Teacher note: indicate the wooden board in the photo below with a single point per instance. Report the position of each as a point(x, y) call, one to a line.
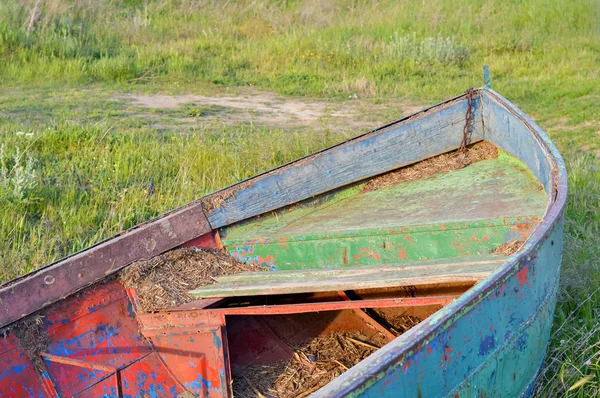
point(507, 130)
point(462, 212)
point(405, 274)
point(410, 140)
point(300, 308)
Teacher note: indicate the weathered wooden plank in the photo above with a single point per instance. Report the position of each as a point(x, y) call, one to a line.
point(286, 282)
point(333, 306)
point(497, 188)
point(37, 290)
point(374, 247)
point(466, 211)
point(360, 270)
point(428, 133)
point(508, 131)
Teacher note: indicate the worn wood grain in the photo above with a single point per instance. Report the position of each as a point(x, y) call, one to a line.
point(426, 134)
point(491, 189)
point(324, 280)
point(301, 308)
point(37, 290)
point(507, 131)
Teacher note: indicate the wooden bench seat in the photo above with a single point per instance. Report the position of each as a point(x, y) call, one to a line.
point(414, 273)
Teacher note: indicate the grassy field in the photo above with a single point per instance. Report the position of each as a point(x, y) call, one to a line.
point(82, 159)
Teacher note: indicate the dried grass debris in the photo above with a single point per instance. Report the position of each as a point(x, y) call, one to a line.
point(220, 198)
point(399, 324)
point(314, 364)
point(163, 281)
point(33, 339)
point(508, 248)
point(429, 167)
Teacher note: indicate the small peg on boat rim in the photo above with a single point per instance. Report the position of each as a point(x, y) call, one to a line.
point(486, 77)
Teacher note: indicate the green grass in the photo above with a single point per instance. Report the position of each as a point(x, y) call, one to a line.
point(92, 182)
point(103, 165)
point(575, 342)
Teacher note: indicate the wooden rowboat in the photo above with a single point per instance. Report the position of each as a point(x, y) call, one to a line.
point(377, 227)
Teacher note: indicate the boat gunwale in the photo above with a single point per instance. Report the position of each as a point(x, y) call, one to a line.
point(390, 356)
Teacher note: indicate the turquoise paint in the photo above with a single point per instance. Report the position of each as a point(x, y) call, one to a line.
point(517, 312)
point(216, 340)
point(487, 81)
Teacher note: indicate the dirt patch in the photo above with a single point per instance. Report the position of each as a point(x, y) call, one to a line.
point(157, 101)
point(508, 248)
point(257, 102)
point(270, 109)
point(435, 165)
point(164, 281)
point(563, 124)
point(314, 364)
point(261, 108)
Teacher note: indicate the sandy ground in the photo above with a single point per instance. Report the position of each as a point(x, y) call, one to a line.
point(273, 110)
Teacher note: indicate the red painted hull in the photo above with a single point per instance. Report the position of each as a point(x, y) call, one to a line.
point(100, 345)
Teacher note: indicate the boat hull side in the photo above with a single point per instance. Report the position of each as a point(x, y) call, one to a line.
point(493, 346)
point(513, 368)
point(505, 129)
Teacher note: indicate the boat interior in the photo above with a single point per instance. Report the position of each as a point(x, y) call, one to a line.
point(369, 259)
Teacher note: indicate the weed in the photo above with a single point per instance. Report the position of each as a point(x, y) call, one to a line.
point(17, 178)
point(431, 50)
point(90, 182)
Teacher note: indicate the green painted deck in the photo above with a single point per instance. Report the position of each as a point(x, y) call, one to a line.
point(460, 213)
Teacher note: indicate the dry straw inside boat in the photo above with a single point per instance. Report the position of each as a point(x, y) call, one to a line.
point(33, 339)
point(313, 365)
point(508, 248)
point(163, 281)
point(438, 164)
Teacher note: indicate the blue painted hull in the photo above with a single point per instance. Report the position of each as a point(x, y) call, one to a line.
point(492, 347)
